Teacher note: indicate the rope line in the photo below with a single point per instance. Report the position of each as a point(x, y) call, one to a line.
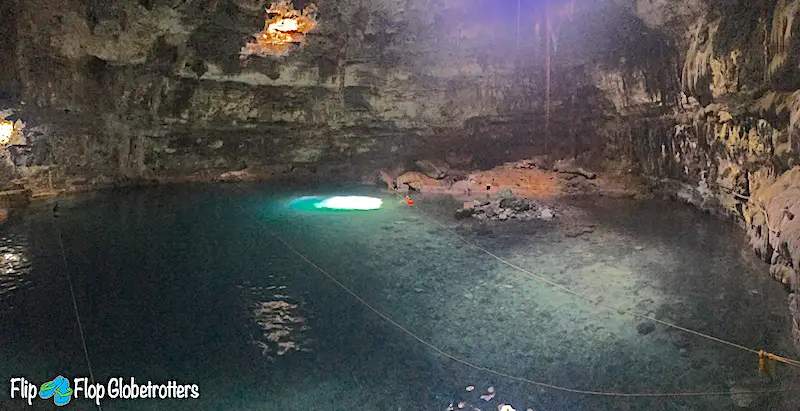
point(75, 307)
point(500, 373)
point(567, 290)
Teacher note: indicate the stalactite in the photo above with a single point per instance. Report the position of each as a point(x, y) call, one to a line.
point(698, 58)
point(781, 34)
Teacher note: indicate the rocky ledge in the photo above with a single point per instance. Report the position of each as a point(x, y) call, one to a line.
point(538, 178)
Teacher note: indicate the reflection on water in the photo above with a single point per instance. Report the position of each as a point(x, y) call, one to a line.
point(15, 268)
point(281, 328)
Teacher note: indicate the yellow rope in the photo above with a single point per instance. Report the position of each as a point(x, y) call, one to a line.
point(499, 373)
point(598, 303)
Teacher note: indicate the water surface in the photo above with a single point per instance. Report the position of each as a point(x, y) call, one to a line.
point(187, 283)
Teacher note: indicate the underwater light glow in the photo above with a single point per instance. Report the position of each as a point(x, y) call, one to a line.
point(350, 203)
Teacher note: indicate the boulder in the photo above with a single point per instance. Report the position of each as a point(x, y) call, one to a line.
point(785, 274)
point(414, 180)
point(506, 193)
point(461, 186)
point(565, 166)
point(542, 162)
point(431, 170)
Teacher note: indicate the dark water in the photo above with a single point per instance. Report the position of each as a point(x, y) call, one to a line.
point(186, 283)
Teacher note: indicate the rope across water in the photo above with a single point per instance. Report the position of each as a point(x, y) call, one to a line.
point(522, 379)
point(75, 307)
point(567, 290)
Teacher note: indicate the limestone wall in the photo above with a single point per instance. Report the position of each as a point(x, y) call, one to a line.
point(730, 143)
point(157, 88)
point(118, 89)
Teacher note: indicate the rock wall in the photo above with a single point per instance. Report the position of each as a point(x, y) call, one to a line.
point(155, 89)
point(701, 96)
point(730, 143)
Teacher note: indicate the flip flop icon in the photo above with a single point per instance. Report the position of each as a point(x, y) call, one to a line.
point(63, 395)
point(49, 388)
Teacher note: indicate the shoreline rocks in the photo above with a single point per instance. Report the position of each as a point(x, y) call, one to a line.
point(537, 177)
point(774, 234)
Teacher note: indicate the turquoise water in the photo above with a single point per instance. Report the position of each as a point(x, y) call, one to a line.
point(186, 283)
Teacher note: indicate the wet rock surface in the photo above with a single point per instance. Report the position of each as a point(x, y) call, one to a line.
point(572, 178)
point(507, 207)
point(774, 233)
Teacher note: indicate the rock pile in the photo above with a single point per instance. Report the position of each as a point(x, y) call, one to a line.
point(505, 208)
point(576, 184)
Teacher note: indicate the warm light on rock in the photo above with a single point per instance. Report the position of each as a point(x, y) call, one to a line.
point(6, 132)
point(284, 26)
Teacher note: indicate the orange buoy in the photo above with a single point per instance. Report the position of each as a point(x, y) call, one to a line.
point(409, 201)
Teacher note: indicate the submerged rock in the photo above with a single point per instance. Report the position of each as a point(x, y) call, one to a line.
point(744, 393)
point(645, 328)
point(463, 213)
point(576, 231)
point(681, 342)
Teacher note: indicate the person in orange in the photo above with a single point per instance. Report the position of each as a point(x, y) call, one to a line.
point(409, 201)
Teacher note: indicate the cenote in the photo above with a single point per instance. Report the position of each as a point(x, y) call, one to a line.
point(188, 283)
point(383, 205)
